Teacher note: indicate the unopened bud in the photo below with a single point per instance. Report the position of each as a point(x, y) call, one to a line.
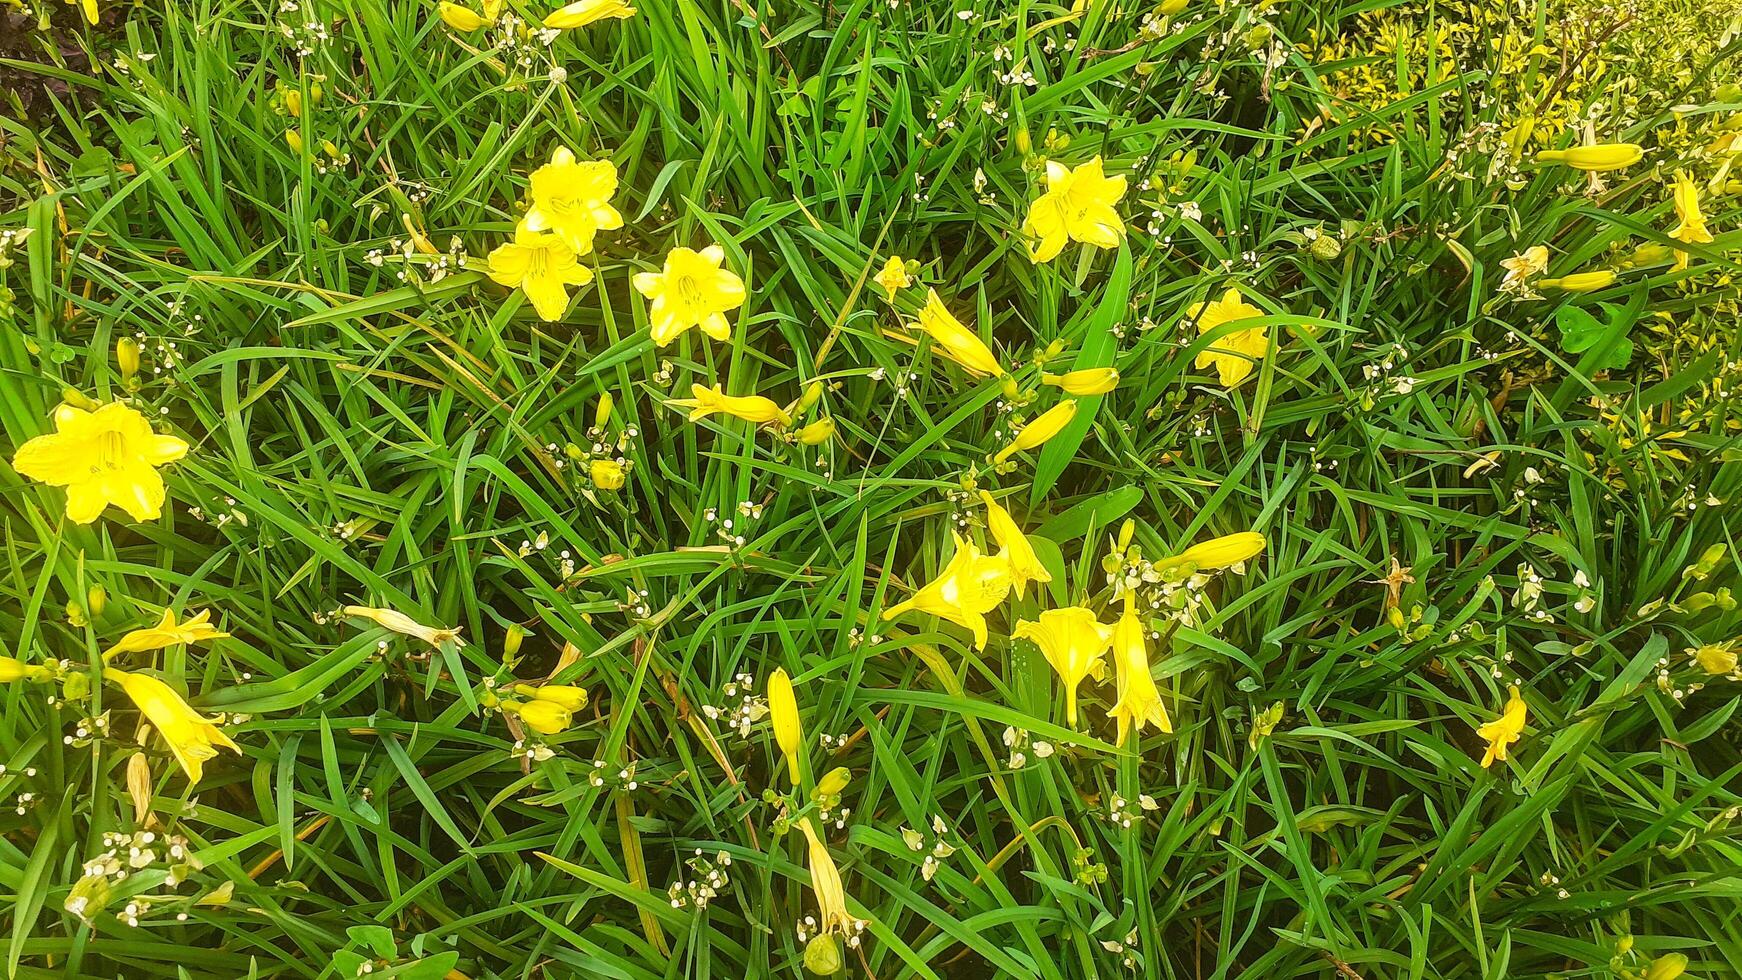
point(127, 358)
point(602, 413)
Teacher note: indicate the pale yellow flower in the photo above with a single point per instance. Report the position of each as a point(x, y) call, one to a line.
point(963, 346)
point(1692, 228)
point(970, 586)
point(1505, 730)
point(166, 633)
point(1045, 425)
point(192, 737)
point(1025, 566)
point(1089, 381)
point(1234, 355)
point(607, 474)
point(584, 12)
point(542, 265)
point(571, 199)
point(1139, 700)
point(399, 622)
point(832, 914)
point(1077, 206)
point(751, 408)
point(1072, 641)
point(107, 456)
point(691, 290)
point(894, 277)
point(783, 716)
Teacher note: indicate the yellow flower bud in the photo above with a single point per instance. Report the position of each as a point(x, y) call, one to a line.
point(822, 430)
point(1170, 7)
point(1126, 530)
point(1024, 142)
point(570, 697)
point(783, 713)
point(12, 669)
point(1603, 156)
point(543, 717)
point(96, 599)
point(1048, 424)
point(293, 139)
point(1669, 966)
point(835, 781)
point(1580, 282)
point(1089, 381)
point(602, 414)
point(813, 393)
point(822, 955)
point(127, 358)
point(1229, 549)
point(511, 641)
point(460, 18)
point(293, 101)
point(607, 474)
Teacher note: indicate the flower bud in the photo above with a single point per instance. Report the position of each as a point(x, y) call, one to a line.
point(460, 18)
point(1669, 966)
point(835, 781)
point(820, 431)
point(127, 358)
point(570, 697)
point(602, 413)
point(293, 139)
point(1229, 549)
point(1024, 142)
point(75, 686)
point(1089, 381)
point(1580, 282)
point(293, 101)
point(1603, 156)
point(783, 714)
point(813, 393)
point(511, 641)
point(607, 474)
point(1170, 7)
point(543, 717)
point(1126, 530)
point(78, 399)
point(96, 600)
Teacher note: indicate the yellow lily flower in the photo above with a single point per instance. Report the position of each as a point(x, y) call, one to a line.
point(1073, 641)
point(1077, 206)
point(192, 737)
point(1580, 282)
point(1025, 566)
point(1236, 354)
point(107, 456)
point(584, 12)
point(1089, 381)
point(894, 277)
point(607, 474)
point(542, 265)
point(1229, 549)
point(1045, 425)
point(543, 717)
point(970, 586)
point(750, 408)
point(166, 633)
point(1602, 156)
point(399, 622)
point(962, 345)
point(460, 18)
point(1693, 222)
point(783, 715)
point(13, 669)
point(1505, 730)
point(567, 695)
point(571, 199)
point(1139, 700)
point(692, 290)
point(1717, 659)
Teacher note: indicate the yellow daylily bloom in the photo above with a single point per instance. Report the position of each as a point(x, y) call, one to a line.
point(1077, 206)
point(192, 737)
point(13, 669)
point(970, 586)
point(1717, 659)
point(1234, 355)
point(542, 265)
point(607, 474)
point(750, 408)
point(783, 715)
point(107, 456)
point(166, 633)
point(567, 695)
point(1072, 641)
point(571, 199)
point(1025, 566)
point(461, 18)
point(584, 12)
point(399, 622)
point(543, 717)
point(832, 914)
point(1045, 425)
point(1527, 264)
point(1089, 381)
point(692, 290)
point(1602, 156)
point(1580, 282)
point(1139, 700)
point(1693, 222)
point(962, 345)
point(1229, 549)
point(894, 277)
point(1505, 730)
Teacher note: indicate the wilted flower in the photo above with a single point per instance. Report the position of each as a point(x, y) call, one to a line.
point(192, 737)
point(1504, 731)
point(166, 633)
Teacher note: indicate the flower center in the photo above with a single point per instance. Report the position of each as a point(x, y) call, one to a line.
point(689, 291)
point(111, 451)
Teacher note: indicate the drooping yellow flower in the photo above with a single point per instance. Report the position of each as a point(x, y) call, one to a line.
point(1139, 700)
point(1717, 659)
point(783, 715)
point(832, 914)
point(970, 586)
point(1524, 266)
point(894, 277)
point(567, 695)
point(818, 432)
point(1234, 355)
point(192, 737)
point(13, 669)
point(542, 716)
point(544, 266)
point(1693, 222)
point(1025, 566)
point(1089, 381)
point(571, 199)
point(1602, 156)
point(1229, 549)
point(1077, 206)
point(166, 633)
point(1045, 425)
point(584, 12)
point(1072, 641)
point(691, 291)
point(962, 345)
point(399, 622)
point(607, 474)
point(1505, 730)
point(107, 456)
point(460, 18)
point(1580, 282)
point(750, 408)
